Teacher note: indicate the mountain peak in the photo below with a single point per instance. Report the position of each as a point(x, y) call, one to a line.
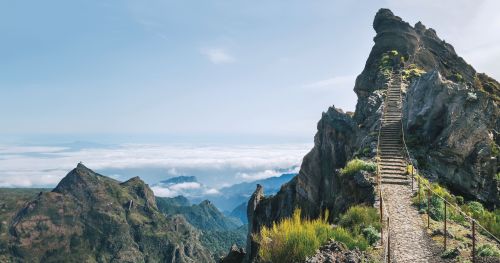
point(78, 179)
point(384, 19)
point(180, 179)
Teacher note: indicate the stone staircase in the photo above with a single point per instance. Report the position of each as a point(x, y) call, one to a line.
point(392, 162)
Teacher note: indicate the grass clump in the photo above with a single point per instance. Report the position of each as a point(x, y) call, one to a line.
point(457, 77)
point(411, 72)
point(293, 239)
point(488, 250)
point(356, 165)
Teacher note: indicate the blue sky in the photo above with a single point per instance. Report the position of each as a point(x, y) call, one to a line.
point(220, 69)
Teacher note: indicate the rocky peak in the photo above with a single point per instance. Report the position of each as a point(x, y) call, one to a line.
point(80, 179)
point(451, 118)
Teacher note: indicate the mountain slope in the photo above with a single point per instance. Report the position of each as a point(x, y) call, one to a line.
point(450, 114)
point(93, 218)
point(218, 231)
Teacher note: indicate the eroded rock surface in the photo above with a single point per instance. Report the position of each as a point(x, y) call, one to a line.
point(451, 120)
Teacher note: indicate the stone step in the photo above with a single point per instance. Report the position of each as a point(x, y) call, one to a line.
point(391, 148)
point(393, 177)
point(392, 159)
point(393, 169)
point(390, 153)
point(393, 173)
point(396, 181)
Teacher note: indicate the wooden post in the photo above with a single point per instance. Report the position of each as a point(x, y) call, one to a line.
point(412, 169)
point(381, 207)
point(381, 220)
point(428, 208)
point(388, 241)
point(445, 234)
point(419, 198)
point(473, 241)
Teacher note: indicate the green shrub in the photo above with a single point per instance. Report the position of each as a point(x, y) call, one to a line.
point(371, 235)
point(356, 165)
point(476, 208)
point(488, 250)
point(344, 236)
point(457, 77)
point(450, 253)
point(293, 239)
point(495, 150)
point(436, 210)
point(360, 217)
point(412, 72)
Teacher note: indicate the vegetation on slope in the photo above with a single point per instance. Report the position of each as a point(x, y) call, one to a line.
point(458, 225)
point(293, 239)
point(218, 231)
point(356, 165)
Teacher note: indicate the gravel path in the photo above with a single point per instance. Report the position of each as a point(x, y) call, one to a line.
point(409, 240)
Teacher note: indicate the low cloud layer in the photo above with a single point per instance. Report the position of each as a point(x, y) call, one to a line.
point(22, 166)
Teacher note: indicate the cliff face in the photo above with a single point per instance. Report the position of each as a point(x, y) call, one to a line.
point(450, 114)
point(319, 185)
point(90, 217)
point(453, 133)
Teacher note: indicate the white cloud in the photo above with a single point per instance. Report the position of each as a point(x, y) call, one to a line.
point(20, 167)
point(212, 191)
point(163, 192)
point(185, 186)
point(218, 55)
point(330, 83)
point(265, 174)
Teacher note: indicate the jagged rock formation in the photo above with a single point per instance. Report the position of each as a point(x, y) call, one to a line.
point(450, 113)
point(235, 255)
point(218, 231)
point(337, 252)
point(453, 133)
point(92, 218)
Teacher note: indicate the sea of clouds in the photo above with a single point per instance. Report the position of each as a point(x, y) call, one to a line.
point(214, 166)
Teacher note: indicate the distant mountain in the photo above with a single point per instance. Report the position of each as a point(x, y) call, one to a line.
point(89, 217)
point(226, 198)
point(179, 179)
point(218, 231)
point(234, 195)
point(240, 212)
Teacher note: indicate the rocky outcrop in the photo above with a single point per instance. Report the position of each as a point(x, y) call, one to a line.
point(319, 185)
point(452, 132)
point(451, 114)
point(337, 252)
point(235, 255)
point(90, 217)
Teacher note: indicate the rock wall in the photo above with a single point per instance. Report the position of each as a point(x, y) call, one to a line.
point(451, 129)
point(450, 116)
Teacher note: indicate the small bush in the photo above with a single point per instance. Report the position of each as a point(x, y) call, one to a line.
point(360, 217)
point(412, 72)
point(436, 210)
point(371, 235)
point(475, 208)
point(293, 239)
point(488, 250)
point(450, 253)
point(356, 165)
